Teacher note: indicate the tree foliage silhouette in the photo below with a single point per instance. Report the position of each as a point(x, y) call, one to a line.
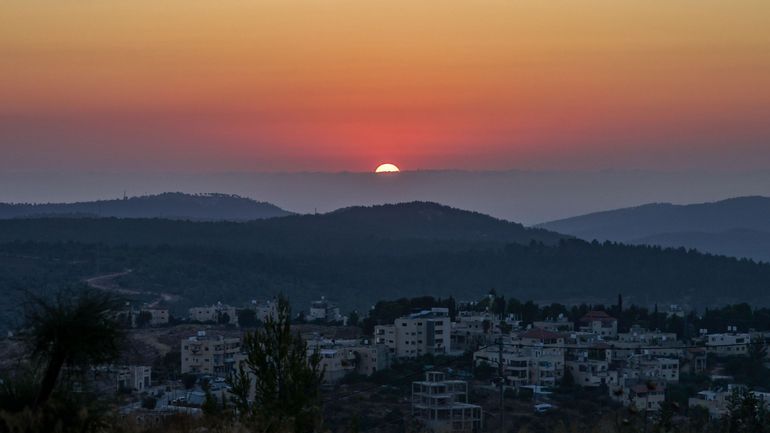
point(77, 329)
point(283, 378)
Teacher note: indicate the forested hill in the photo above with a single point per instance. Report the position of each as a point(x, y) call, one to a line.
point(737, 227)
point(424, 226)
point(200, 207)
point(747, 213)
point(357, 256)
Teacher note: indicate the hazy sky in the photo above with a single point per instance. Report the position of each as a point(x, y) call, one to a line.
point(326, 85)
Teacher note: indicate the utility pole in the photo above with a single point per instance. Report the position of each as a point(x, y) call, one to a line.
point(501, 378)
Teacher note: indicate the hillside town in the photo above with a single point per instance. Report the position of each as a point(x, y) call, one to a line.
point(462, 358)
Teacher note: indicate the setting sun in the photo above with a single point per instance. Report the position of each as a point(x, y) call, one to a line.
point(387, 168)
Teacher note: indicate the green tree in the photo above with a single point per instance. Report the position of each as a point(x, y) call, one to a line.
point(188, 380)
point(76, 329)
point(143, 319)
point(149, 402)
point(286, 378)
point(210, 406)
point(567, 382)
point(746, 414)
point(223, 318)
point(247, 318)
point(353, 318)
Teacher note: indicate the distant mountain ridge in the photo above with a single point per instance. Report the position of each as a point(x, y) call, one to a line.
point(170, 205)
point(346, 229)
point(737, 226)
point(426, 220)
point(359, 255)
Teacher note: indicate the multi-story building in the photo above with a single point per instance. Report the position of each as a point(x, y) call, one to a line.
point(525, 366)
point(335, 363)
point(642, 396)
point(209, 354)
point(324, 311)
point(728, 344)
point(717, 401)
point(157, 316)
point(146, 315)
point(217, 313)
point(714, 401)
point(647, 396)
point(133, 378)
point(341, 357)
point(675, 310)
point(472, 329)
point(386, 335)
point(656, 368)
point(371, 358)
point(540, 337)
point(560, 324)
point(442, 405)
point(694, 360)
point(264, 309)
point(418, 334)
point(638, 334)
point(590, 365)
point(600, 323)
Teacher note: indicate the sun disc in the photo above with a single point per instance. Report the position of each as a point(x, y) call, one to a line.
point(387, 168)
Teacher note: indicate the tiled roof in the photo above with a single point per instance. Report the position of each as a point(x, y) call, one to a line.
point(597, 315)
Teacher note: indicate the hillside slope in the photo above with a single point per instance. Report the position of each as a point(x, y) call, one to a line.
point(737, 227)
point(198, 207)
point(385, 227)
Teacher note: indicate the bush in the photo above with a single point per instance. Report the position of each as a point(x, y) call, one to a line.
point(149, 402)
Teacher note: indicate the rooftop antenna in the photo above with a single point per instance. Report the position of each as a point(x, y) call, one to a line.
point(125, 197)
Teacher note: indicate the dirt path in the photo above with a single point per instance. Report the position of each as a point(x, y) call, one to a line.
point(105, 282)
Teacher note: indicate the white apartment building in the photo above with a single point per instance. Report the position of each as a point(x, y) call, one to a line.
point(655, 368)
point(324, 311)
point(371, 359)
point(335, 363)
point(647, 397)
point(341, 357)
point(208, 354)
point(418, 334)
point(717, 401)
point(152, 315)
point(217, 313)
point(133, 377)
point(590, 365)
point(641, 335)
point(642, 396)
point(728, 344)
point(264, 309)
point(524, 366)
point(559, 324)
point(714, 401)
point(600, 323)
point(442, 405)
point(484, 321)
point(158, 316)
point(540, 337)
point(472, 329)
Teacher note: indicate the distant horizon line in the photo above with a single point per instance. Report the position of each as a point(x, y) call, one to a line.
point(383, 203)
point(402, 171)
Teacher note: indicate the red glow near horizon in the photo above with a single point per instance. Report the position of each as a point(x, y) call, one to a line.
point(336, 85)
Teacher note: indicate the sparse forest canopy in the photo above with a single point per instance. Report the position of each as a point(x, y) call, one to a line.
point(352, 261)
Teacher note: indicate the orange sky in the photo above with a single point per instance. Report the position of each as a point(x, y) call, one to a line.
point(345, 85)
